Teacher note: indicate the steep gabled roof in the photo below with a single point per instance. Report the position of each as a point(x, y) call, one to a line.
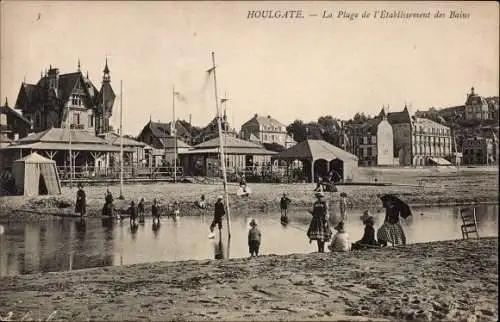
point(6, 109)
point(399, 117)
point(263, 120)
point(316, 149)
point(228, 141)
point(162, 130)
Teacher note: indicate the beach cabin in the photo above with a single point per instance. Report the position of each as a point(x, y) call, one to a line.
point(36, 175)
point(320, 158)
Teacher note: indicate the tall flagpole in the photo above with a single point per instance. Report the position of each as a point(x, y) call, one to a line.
point(222, 158)
point(70, 151)
point(121, 140)
point(174, 130)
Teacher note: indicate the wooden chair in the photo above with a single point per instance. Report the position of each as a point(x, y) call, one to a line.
point(469, 222)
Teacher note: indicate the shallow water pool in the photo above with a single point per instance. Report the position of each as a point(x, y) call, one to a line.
point(64, 244)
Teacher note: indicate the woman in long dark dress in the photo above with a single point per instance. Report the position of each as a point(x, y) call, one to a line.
point(81, 204)
point(319, 229)
point(368, 239)
point(107, 210)
point(391, 230)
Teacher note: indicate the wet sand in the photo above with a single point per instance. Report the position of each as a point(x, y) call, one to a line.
point(448, 281)
point(439, 187)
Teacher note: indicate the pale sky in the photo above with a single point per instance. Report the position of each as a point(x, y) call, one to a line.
point(299, 68)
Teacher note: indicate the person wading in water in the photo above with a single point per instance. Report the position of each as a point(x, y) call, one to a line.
point(319, 229)
point(81, 203)
point(219, 212)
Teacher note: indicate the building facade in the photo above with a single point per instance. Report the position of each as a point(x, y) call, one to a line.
point(478, 150)
point(372, 142)
point(476, 107)
point(62, 100)
point(266, 130)
point(419, 141)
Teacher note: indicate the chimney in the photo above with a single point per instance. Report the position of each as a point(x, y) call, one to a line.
point(53, 77)
point(255, 115)
point(269, 116)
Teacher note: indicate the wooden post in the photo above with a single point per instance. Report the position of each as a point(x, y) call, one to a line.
point(121, 141)
point(221, 146)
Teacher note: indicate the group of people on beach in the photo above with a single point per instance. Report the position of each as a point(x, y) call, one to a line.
point(319, 228)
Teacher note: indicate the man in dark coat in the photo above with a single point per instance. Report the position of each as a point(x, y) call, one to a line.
point(219, 212)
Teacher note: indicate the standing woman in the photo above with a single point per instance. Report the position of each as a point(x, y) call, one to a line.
point(81, 203)
point(391, 230)
point(319, 229)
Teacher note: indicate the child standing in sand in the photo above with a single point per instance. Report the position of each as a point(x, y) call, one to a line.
point(254, 236)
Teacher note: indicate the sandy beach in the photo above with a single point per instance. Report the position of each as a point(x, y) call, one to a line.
point(447, 281)
point(419, 187)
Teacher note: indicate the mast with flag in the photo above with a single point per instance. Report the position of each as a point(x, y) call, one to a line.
point(70, 151)
point(173, 125)
point(221, 146)
point(173, 132)
point(121, 140)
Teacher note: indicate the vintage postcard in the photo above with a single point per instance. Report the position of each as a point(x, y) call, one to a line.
point(249, 160)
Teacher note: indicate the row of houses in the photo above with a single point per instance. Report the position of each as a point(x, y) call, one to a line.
point(70, 120)
point(399, 139)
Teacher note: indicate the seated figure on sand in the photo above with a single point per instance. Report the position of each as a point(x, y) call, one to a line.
point(368, 240)
point(341, 241)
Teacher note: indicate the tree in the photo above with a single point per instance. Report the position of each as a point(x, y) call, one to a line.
point(297, 130)
point(359, 118)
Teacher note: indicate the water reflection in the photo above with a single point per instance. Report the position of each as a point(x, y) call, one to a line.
point(69, 244)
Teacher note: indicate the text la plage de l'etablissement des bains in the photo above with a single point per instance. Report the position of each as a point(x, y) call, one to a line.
point(352, 15)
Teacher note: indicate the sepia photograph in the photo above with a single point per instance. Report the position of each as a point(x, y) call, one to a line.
point(249, 160)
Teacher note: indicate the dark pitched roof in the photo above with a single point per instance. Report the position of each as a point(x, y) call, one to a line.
point(316, 149)
point(10, 111)
point(66, 84)
point(162, 130)
point(399, 117)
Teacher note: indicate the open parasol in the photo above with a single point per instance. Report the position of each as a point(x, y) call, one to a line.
point(404, 209)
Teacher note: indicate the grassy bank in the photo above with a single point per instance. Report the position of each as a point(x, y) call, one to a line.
point(448, 281)
point(423, 187)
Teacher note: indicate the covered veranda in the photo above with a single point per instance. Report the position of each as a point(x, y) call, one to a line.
point(320, 159)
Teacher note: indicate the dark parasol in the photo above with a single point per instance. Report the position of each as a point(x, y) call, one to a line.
point(404, 209)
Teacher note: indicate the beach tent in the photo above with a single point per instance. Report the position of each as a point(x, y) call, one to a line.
point(36, 175)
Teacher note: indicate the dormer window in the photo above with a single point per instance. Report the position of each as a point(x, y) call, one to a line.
point(76, 100)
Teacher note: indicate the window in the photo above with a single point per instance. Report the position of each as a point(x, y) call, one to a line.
point(374, 139)
point(369, 152)
point(76, 100)
point(91, 121)
point(365, 140)
point(76, 118)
